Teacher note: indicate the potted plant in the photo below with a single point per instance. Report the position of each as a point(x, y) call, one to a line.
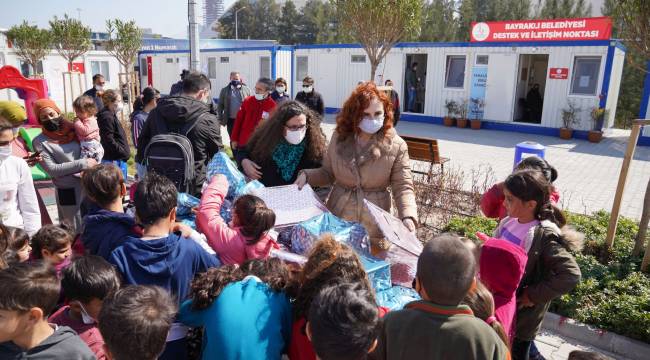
point(569, 118)
point(477, 111)
point(598, 117)
point(461, 122)
point(452, 107)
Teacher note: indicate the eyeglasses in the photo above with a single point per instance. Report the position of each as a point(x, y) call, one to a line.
point(296, 127)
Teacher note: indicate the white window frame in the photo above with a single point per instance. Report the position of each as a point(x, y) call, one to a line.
point(212, 68)
point(106, 73)
point(572, 73)
point(448, 59)
point(356, 59)
point(302, 73)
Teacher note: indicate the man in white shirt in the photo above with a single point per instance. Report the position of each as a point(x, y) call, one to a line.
point(18, 203)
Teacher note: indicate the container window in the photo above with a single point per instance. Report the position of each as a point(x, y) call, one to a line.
point(169, 60)
point(143, 67)
point(265, 66)
point(224, 59)
point(584, 80)
point(358, 59)
point(302, 67)
point(101, 67)
point(482, 59)
point(28, 71)
point(455, 71)
point(212, 68)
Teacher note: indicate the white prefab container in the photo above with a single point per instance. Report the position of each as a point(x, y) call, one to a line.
point(587, 73)
point(251, 62)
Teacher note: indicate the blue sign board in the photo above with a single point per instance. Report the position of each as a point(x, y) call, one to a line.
point(477, 92)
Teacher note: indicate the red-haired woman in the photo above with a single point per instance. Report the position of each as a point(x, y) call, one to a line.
point(364, 158)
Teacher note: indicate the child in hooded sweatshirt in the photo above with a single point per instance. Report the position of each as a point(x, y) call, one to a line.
point(244, 310)
point(105, 225)
point(481, 301)
point(551, 270)
point(87, 129)
point(29, 294)
point(247, 236)
point(163, 256)
point(493, 199)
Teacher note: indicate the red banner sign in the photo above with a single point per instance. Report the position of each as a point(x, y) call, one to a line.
point(558, 73)
point(78, 67)
point(598, 28)
point(149, 71)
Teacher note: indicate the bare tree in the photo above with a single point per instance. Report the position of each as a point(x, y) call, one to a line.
point(30, 43)
point(379, 24)
point(124, 42)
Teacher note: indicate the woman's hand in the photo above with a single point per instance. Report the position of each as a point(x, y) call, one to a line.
point(251, 169)
point(233, 145)
point(90, 162)
point(301, 180)
point(33, 158)
point(185, 230)
point(524, 301)
point(409, 223)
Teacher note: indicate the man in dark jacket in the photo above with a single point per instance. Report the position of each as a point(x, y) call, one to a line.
point(230, 99)
point(176, 112)
point(310, 97)
point(177, 87)
point(97, 91)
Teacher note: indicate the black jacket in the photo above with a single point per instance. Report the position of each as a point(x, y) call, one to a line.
point(113, 137)
point(205, 137)
point(313, 100)
point(98, 100)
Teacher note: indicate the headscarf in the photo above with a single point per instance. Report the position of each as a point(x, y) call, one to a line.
point(65, 134)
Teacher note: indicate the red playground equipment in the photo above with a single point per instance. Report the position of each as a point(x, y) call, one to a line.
point(29, 90)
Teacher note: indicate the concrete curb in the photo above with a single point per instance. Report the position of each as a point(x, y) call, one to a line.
point(601, 339)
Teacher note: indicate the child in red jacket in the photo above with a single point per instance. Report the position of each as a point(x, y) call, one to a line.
point(248, 237)
point(492, 201)
point(254, 109)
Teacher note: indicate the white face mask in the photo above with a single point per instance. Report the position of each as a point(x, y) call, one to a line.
point(260, 96)
point(371, 125)
point(5, 152)
point(295, 137)
point(120, 107)
point(307, 89)
point(99, 88)
point(279, 89)
point(85, 318)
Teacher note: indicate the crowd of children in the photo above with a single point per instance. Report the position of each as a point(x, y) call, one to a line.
point(143, 280)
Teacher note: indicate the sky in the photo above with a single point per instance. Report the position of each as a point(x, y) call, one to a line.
point(166, 17)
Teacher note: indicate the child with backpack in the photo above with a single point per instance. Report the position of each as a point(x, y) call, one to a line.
point(551, 270)
point(244, 310)
point(246, 237)
point(329, 262)
point(492, 201)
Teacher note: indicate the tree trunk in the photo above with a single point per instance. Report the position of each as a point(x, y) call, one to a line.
point(643, 224)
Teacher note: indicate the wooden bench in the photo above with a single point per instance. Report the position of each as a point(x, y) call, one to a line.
point(426, 150)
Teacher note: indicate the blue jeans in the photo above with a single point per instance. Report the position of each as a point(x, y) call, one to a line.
point(410, 106)
point(120, 165)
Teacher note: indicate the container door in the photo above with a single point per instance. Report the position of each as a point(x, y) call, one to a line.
point(500, 87)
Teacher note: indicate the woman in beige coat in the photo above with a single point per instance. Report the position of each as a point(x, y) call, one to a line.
point(364, 159)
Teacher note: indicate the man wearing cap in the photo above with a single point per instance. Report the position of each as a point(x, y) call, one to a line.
point(177, 88)
point(97, 91)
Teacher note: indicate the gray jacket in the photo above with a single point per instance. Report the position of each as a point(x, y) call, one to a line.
point(62, 344)
point(223, 108)
point(61, 161)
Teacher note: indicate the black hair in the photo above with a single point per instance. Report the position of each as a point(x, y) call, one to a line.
point(29, 285)
point(587, 355)
point(268, 83)
point(102, 183)
point(194, 82)
point(414, 64)
point(96, 77)
point(135, 320)
point(148, 95)
point(343, 322)
point(255, 218)
point(537, 163)
point(5, 125)
point(528, 185)
point(51, 238)
point(154, 198)
point(89, 277)
point(446, 269)
point(14, 238)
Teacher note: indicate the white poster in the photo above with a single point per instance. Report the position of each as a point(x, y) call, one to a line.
point(584, 81)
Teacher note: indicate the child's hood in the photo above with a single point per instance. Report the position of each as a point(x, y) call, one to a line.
point(569, 236)
point(61, 334)
point(501, 266)
point(160, 256)
point(261, 249)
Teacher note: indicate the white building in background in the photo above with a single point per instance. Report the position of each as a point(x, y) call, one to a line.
point(212, 11)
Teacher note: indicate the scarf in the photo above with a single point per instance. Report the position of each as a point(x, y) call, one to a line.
point(64, 135)
point(287, 157)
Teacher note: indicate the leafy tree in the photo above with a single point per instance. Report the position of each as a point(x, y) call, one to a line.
point(379, 24)
point(244, 17)
point(30, 43)
point(438, 22)
point(70, 37)
point(556, 9)
point(467, 14)
point(264, 22)
point(634, 18)
point(287, 26)
point(124, 42)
